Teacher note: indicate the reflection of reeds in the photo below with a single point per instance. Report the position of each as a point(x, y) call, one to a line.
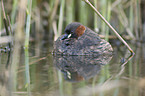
point(18, 38)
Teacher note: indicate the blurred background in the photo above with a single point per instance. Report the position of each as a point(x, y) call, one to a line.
point(36, 24)
point(50, 17)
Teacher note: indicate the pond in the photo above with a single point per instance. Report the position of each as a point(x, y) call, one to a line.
point(48, 75)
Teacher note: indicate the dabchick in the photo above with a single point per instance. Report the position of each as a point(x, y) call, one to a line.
point(80, 40)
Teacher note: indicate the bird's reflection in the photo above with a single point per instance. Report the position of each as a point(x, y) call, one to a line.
point(78, 68)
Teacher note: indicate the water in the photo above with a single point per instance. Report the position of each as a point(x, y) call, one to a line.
point(72, 76)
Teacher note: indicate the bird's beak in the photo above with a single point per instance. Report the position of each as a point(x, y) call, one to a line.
point(64, 37)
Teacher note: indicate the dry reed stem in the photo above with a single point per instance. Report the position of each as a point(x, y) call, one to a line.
point(5, 19)
point(88, 2)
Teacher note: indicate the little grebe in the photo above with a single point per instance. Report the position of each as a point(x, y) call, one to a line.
point(80, 40)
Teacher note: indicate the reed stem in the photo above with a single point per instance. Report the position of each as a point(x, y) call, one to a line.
point(28, 23)
point(61, 15)
point(29, 6)
point(69, 11)
point(83, 10)
point(108, 18)
point(95, 18)
point(0, 19)
point(13, 15)
point(5, 19)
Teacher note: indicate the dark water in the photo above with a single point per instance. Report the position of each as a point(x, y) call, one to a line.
point(72, 75)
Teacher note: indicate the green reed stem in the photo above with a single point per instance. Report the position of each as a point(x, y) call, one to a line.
point(131, 17)
point(0, 18)
point(28, 23)
point(61, 15)
point(34, 4)
point(9, 25)
point(54, 11)
point(95, 18)
point(108, 19)
point(69, 11)
point(104, 13)
point(97, 12)
point(51, 4)
point(14, 10)
point(83, 13)
point(138, 18)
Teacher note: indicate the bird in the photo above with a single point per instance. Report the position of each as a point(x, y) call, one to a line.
point(80, 40)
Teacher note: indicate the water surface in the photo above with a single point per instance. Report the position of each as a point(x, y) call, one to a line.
point(73, 75)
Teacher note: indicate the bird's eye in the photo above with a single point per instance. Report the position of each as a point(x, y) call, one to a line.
point(67, 31)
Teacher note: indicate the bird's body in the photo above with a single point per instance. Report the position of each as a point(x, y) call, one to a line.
point(80, 40)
